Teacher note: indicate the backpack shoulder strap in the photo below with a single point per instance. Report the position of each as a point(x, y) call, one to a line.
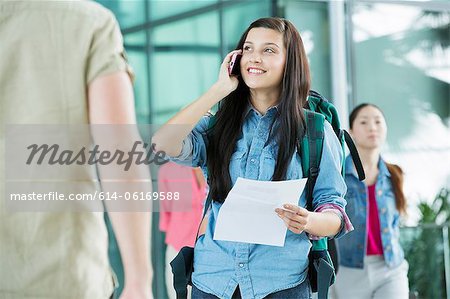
point(321, 270)
point(355, 156)
point(310, 149)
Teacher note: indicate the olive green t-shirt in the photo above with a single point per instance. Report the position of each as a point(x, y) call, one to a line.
point(49, 52)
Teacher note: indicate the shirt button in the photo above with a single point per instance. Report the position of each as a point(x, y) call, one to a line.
point(385, 230)
point(260, 134)
point(380, 192)
point(388, 248)
point(241, 265)
point(383, 210)
point(252, 160)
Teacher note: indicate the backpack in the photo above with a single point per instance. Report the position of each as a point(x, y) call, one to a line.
point(323, 255)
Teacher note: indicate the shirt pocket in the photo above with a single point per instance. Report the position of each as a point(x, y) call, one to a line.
point(267, 165)
point(269, 161)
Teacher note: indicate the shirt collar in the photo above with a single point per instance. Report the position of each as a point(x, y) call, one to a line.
point(383, 168)
point(350, 167)
point(250, 107)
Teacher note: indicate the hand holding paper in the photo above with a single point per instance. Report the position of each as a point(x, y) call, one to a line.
point(294, 217)
point(248, 213)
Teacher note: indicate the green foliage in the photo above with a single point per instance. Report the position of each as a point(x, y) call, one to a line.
point(424, 247)
point(439, 210)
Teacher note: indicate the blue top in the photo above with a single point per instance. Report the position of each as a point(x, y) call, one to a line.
point(353, 247)
point(219, 266)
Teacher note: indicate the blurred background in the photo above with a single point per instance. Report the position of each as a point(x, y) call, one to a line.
point(395, 54)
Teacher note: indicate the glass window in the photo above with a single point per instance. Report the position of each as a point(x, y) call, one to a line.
point(161, 9)
point(311, 20)
point(179, 78)
point(184, 63)
point(200, 30)
point(239, 17)
point(138, 61)
point(401, 61)
point(136, 39)
point(128, 13)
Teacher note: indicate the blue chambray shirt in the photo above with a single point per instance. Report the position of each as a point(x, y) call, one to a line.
point(219, 266)
point(353, 247)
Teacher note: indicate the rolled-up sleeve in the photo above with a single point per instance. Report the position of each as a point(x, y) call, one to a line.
point(106, 52)
point(330, 187)
point(193, 151)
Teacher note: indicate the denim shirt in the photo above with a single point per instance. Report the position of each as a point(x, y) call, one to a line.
point(353, 247)
point(219, 266)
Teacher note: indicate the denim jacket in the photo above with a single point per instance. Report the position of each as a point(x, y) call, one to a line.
point(353, 246)
point(219, 266)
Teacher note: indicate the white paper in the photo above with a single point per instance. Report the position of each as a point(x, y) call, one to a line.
point(248, 213)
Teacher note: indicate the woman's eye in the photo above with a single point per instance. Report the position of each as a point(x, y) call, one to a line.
point(247, 48)
point(269, 50)
point(363, 122)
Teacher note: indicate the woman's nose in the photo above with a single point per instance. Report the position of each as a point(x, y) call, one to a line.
point(255, 58)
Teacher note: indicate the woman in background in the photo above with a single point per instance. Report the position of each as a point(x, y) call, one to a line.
point(372, 263)
point(180, 219)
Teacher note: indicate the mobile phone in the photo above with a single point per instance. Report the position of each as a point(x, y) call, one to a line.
point(234, 66)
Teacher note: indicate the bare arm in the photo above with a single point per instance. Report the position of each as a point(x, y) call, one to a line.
point(170, 137)
point(111, 101)
point(323, 224)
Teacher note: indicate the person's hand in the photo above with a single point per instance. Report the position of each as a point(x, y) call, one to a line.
point(295, 217)
point(137, 291)
point(139, 287)
point(227, 83)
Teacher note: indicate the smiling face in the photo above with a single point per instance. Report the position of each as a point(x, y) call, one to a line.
point(369, 128)
point(263, 59)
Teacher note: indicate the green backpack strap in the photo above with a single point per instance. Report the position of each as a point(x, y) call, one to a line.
point(311, 146)
point(317, 103)
point(311, 151)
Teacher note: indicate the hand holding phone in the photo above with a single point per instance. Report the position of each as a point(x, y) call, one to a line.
point(234, 66)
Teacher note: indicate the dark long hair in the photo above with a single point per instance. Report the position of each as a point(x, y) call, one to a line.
point(290, 120)
point(395, 170)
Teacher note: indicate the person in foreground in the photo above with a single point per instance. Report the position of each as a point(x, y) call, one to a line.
point(372, 263)
point(254, 136)
point(63, 64)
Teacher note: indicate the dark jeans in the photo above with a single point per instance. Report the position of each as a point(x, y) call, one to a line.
point(302, 291)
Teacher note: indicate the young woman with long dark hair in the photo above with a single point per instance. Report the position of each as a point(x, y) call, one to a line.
point(372, 263)
point(258, 123)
